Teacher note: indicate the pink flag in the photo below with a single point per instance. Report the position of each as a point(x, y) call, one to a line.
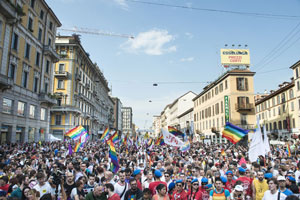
point(242, 161)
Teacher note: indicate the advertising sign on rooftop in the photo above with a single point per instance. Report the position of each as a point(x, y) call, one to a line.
point(235, 57)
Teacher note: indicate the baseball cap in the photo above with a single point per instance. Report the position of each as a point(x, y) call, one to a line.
point(241, 169)
point(239, 188)
point(204, 180)
point(157, 173)
point(280, 178)
point(136, 172)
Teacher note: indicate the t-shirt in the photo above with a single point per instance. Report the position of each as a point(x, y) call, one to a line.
point(90, 196)
point(68, 189)
point(153, 185)
point(133, 195)
point(260, 188)
point(180, 195)
point(216, 195)
point(75, 192)
point(120, 188)
point(287, 192)
point(230, 185)
point(269, 196)
point(204, 194)
point(247, 182)
point(45, 189)
point(114, 197)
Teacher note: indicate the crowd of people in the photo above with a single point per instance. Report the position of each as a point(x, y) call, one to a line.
point(204, 172)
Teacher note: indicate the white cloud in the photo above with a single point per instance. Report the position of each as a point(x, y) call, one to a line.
point(189, 59)
point(122, 3)
point(189, 35)
point(153, 42)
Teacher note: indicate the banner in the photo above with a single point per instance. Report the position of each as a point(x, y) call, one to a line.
point(235, 57)
point(171, 139)
point(257, 147)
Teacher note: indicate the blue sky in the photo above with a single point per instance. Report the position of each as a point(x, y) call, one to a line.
point(181, 45)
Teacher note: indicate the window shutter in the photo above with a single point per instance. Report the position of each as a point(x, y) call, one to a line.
point(246, 84)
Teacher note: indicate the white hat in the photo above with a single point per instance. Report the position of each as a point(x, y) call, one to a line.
point(239, 188)
point(280, 178)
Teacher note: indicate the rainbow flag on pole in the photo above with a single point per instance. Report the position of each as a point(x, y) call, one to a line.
point(76, 132)
point(114, 138)
point(288, 150)
point(105, 133)
point(113, 156)
point(174, 131)
point(233, 133)
point(77, 147)
point(160, 141)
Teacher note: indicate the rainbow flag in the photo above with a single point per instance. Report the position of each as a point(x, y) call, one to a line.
point(84, 139)
point(76, 132)
point(160, 141)
point(233, 133)
point(186, 146)
point(149, 143)
point(288, 150)
point(113, 156)
point(77, 147)
point(174, 131)
point(105, 133)
point(114, 138)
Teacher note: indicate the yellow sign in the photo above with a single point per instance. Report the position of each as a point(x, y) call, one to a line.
point(235, 57)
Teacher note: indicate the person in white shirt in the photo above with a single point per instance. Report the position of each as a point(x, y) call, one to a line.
point(273, 193)
point(42, 187)
point(121, 186)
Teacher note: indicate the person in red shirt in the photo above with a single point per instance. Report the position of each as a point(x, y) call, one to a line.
point(3, 183)
point(194, 192)
point(109, 189)
point(230, 182)
point(204, 189)
point(153, 185)
point(179, 194)
point(247, 182)
point(224, 181)
point(137, 175)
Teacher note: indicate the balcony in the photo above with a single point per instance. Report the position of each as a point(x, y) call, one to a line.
point(63, 54)
point(5, 82)
point(51, 52)
point(95, 93)
point(61, 74)
point(244, 106)
point(45, 98)
point(246, 126)
point(78, 77)
point(65, 109)
point(9, 10)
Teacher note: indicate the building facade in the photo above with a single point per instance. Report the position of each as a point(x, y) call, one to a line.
point(127, 121)
point(81, 91)
point(117, 114)
point(27, 51)
point(156, 126)
point(296, 74)
point(186, 121)
point(230, 98)
point(278, 112)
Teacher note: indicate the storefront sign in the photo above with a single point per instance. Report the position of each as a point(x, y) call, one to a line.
point(226, 105)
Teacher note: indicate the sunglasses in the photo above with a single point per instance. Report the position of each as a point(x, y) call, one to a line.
point(196, 184)
point(179, 185)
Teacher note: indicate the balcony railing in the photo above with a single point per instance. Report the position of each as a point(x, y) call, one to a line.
point(51, 52)
point(5, 82)
point(78, 77)
point(8, 10)
point(244, 106)
point(62, 74)
point(45, 98)
point(66, 108)
point(246, 126)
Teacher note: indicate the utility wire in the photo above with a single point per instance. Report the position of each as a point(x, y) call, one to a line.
point(267, 15)
point(278, 47)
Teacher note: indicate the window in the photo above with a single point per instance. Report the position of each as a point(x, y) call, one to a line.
point(15, 42)
point(291, 93)
point(24, 79)
point(273, 101)
point(279, 113)
point(59, 101)
point(7, 106)
point(46, 88)
point(285, 125)
point(226, 86)
point(278, 99)
point(57, 119)
point(35, 84)
point(37, 58)
point(12, 71)
point(221, 87)
point(27, 51)
point(21, 108)
point(242, 84)
point(43, 114)
point(42, 14)
point(50, 26)
point(297, 73)
point(217, 109)
point(298, 85)
point(30, 24)
point(243, 102)
point(61, 67)
point(283, 98)
point(49, 41)
point(32, 2)
point(216, 91)
point(270, 125)
point(244, 119)
point(40, 34)
point(31, 111)
point(222, 107)
point(60, 84)
point(275, 125)
point(279, 125)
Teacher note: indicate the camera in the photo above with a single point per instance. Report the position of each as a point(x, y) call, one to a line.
point(57, 176)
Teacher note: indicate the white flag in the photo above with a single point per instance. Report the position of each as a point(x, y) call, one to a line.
point(266, 142)
point(257, 145)
point(171, 139)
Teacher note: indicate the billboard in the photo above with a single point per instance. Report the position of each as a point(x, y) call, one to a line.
point(235, 57)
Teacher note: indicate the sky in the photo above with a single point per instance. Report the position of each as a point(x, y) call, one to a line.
point(179, 41)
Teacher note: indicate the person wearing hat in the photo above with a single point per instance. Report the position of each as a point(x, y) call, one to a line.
point(224, 181)
point(247, 182)
point(219, 192)
point(237, 193)
point(291, 184)
point(230, 182)
point(282, 186)
point(194, 192)
point(273, 193)
point(179, 193)
point(138, 175)
point(204, 189)
point(259, 186)
point(154, 184)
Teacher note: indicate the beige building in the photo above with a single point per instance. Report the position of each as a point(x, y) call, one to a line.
point(27, 54)
point(278, 112)
point(156, 126)
point(296, 73)
point(230, 98)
